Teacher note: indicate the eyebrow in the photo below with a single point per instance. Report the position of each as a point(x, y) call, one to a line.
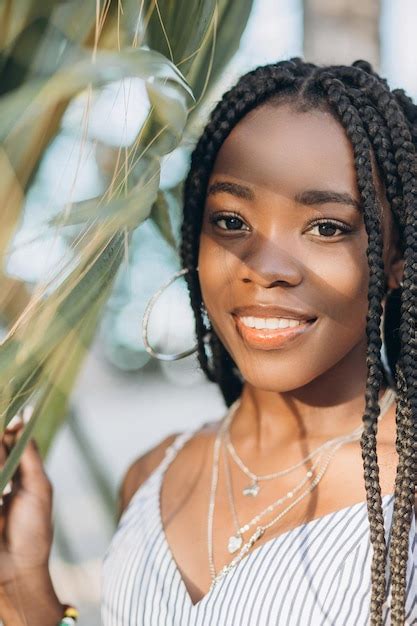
point(308, 197)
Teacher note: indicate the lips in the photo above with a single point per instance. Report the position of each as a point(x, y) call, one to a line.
point(269, 310)
point(268, 327)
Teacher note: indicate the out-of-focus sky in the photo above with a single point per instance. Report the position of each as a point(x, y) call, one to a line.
point(399, 44)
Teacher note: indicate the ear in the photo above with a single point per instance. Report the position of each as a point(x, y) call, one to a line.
point(395, 273)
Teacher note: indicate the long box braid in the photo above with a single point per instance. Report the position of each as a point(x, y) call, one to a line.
point(377, 121)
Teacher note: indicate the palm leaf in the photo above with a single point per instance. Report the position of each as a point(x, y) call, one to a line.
point(189, 41)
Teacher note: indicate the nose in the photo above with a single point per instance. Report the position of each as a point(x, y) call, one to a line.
point(271, 264)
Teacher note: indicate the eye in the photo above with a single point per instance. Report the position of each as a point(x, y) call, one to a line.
point(230, 221)
point(328, 228)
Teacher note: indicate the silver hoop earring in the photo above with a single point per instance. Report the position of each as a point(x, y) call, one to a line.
point(159, 355)
point(383, 352)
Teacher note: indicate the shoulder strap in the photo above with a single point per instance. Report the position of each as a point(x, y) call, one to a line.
point(156, 474)
point(173, 449)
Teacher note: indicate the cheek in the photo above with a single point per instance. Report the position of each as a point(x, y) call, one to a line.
point(336, 284)
point(219, 282)
point(217, 272)
point(342, 296)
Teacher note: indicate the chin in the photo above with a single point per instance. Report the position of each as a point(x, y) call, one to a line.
point(277, 380)
point(300, 361)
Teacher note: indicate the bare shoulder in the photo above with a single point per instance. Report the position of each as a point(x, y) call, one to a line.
point(140, 470)
point(142, 467)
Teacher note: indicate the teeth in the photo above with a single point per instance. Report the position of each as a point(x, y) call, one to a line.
point(270, 322)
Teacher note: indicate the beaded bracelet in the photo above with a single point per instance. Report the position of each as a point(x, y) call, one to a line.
point(70, 616)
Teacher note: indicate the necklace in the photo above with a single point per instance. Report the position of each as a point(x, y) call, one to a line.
point(387, 398)
point(254, 488)
point(214, 480)
point(236, 540)
point(260, 530)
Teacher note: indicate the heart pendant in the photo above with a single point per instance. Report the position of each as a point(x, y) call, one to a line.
point(251, 490)
point(234, 544)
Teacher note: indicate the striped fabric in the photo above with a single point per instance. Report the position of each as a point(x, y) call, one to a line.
point(315, 574)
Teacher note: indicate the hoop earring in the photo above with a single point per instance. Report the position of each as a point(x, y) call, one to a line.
point(383, 353)
point(159, 355)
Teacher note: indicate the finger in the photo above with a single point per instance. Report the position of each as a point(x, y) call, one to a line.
point(15, 426)
point(30, 471)
point(3, 496)
point(8, 440)
point(20, 419)
point(15, 423)
point(32, 476)
point(7, 490)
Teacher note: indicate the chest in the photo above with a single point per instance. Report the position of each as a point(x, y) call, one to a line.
point(185, 509)
point(314, 570)
point(316, 573)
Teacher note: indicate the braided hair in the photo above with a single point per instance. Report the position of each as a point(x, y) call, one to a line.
point(379, 123)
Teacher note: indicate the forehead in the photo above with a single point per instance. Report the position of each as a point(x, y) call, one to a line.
point(287, 151)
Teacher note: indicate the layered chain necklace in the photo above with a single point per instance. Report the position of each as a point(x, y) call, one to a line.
point(254, 488)
point(327, 450)
point(236, 540)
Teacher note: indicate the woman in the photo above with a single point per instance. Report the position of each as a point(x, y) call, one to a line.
point(299, 248)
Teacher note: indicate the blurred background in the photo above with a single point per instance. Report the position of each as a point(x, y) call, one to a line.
point(116, 402)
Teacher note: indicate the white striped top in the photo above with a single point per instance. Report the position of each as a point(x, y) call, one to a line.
point(315, 574)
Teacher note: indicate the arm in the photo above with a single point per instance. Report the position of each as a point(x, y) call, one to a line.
point(139, 471)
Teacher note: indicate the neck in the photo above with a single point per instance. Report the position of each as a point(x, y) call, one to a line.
point(330, 405)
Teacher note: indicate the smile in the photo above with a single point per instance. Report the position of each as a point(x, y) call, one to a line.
point(269, 322)
point(269, 333)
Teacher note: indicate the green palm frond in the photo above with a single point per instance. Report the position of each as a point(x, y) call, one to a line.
point(49, 53)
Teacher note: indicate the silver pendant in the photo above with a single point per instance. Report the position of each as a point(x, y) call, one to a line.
point(235, 543)
point(251, 490)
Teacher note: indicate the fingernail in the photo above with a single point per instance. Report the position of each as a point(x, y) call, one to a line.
point(27, 413)
point(14, 422)
point(7, 489)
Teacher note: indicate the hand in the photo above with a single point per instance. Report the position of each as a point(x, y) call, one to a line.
point(26, 515)
point(26, 537)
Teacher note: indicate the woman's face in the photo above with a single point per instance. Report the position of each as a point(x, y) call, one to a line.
point(282, 260)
